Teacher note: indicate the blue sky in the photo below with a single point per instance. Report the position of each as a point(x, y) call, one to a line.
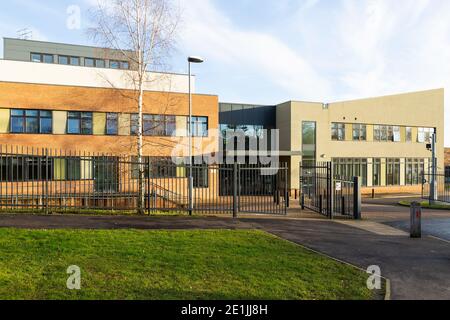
point(270, 51)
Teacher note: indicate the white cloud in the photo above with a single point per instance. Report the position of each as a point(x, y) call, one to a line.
point(214, 35)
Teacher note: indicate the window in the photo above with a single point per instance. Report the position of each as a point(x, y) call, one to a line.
point(376, 172)
point(31, 121)
point(396, 134)
point(153, 125)
point(114, 64)
point(351, 167)
point(79, 123)
point(36, 57)
point(134, 124)
point(112, 124)
point(42, 57)
point(393, 172)
point(309, 141)
point(75, 61)
point(63, 60)
point(386, 133)
point(124, 65)
point(425, 135)
point(89, 62)
point(159, 168)
point(24, 168)
point(414, 170)
point(338, 131)
point(73, 169)
point(100, 63)
point(408, 134)
point(359, 132)
point(170, 125)
point(199, 126)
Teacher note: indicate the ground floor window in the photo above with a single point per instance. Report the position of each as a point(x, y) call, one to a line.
point(392, 172)
point(376, 180)
point(24, 168)
point(351, 167)
point(414, 169)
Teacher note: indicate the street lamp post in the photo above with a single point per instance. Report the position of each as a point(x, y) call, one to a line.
point(191, 179)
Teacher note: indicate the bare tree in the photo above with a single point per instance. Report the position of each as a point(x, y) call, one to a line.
point(144, 33)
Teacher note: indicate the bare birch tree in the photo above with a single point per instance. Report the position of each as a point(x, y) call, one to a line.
point(144, 32)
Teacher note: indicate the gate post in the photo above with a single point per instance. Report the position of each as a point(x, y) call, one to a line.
point(235, 189)
point(357, 198)
point(330, 190)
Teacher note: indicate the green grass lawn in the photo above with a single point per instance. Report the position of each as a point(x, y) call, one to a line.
point(426, 205)
point(170, 265)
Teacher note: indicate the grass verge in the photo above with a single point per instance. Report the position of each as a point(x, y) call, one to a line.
point(426, 205)
point(150, 265)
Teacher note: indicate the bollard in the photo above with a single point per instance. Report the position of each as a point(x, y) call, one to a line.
point(416, 220)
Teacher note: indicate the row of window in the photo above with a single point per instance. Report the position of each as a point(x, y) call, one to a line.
point(40, 122)
point(77, 61)
point(102, 170)
point(381, 133)
point(414, 170)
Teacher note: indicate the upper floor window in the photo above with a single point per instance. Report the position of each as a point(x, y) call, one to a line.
point(408, 134)
point(114, 64)
point(112, 124)
point(338, 131)
point(124, 65)
point(384, 133)
point(359, 132)
point(79, 123)
point(63, 60)
point(199, 126)
point(42, 57)
point(31, 121)
point(89, 62)
point(75, 61)
point(100, 63)
point(425, 135)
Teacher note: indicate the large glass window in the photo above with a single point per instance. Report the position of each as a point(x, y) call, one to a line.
point(425, 135)
point(31, 121)
point(338, 131)
point(42, 57)
point(79, 123)
point(114, 64)
point(359, 132)
point(308, 141)
point(89, 62)
point(112, 124)
point(24, 168)
point(153, 125)
point(408, 134)
point(199, 126)
point(75, 61)
point(393, 172)
point(63, 60)
point(348, 168)
point(376, 180)
point(414, 169)
point(386, 133)
point(100, 63)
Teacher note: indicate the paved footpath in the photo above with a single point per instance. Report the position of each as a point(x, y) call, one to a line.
point(418, 269)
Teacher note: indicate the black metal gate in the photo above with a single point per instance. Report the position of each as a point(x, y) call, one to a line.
point(327, 194)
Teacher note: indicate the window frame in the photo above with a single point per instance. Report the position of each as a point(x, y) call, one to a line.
point(81, 122)
point(116, 125)
point(41, 57)
point(24, 117)
point(338, 131)
point(66, 57)
point(359, 132)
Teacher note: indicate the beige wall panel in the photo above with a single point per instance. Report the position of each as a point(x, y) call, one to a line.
point(383, 172)
point(99, 123)
point(348, 132)
point(124, 124)
point(402, 172)
point(4, 120)
point(414, 134)
point(402, 134)
point(295, 172)
point(59, 169)
point(86, 169)
point(369, 172)
point(59, 122)
point(369, 132)
point(181, 125)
